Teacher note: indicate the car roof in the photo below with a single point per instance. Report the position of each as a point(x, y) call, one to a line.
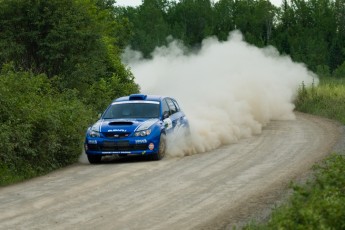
point(140, 97)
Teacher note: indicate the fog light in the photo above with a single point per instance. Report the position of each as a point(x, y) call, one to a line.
point(151, 146)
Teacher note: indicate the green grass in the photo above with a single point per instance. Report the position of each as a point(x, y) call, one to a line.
point(320, 203)
point(327, 99)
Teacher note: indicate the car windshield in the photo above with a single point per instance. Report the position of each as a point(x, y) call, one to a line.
point(132, 110)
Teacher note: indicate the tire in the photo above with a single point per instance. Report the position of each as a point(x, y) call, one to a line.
point(161, 149)
point(94, 159)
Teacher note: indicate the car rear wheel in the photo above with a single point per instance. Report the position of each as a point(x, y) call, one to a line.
point(94, 159)
point(161, 149)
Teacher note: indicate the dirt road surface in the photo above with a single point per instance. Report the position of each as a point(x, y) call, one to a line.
point(213, 190)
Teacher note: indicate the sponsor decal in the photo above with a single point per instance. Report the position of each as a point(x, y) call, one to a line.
point(118, 152)
point(117, 130)
point(92, 141)
point(167, 123)
point(143, 141)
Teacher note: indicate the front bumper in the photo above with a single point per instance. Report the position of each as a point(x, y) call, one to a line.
point(122, 146)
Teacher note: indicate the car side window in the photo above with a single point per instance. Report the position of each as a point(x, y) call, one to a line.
point(176, 105)
point(165, 107)
point(172, 106)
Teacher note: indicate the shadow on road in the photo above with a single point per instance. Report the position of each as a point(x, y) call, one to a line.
point(126, 159)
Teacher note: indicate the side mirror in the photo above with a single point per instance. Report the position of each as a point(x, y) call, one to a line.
point(99, 115)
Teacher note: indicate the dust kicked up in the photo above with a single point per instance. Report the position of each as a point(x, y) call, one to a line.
point(228, 90)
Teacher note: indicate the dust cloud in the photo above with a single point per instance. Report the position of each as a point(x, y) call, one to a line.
point(228, 90)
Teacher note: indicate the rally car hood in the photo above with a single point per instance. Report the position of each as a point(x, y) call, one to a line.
point(123, 125)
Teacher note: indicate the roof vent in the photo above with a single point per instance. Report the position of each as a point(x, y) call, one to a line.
point(137, 97)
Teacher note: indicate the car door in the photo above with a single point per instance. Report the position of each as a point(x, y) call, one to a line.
point(176, 116)
point(166, 113)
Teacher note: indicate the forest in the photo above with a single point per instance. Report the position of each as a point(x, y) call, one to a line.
point(60, 60)
point(311, 32)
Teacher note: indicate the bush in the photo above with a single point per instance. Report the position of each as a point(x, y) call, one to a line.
point(41, 130)
point(340, 71)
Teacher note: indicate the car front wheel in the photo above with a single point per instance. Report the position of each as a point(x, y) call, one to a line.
point(94, 159)
point(161, 149)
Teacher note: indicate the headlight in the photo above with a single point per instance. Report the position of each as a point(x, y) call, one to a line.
point(142, 133)
point(94, 133)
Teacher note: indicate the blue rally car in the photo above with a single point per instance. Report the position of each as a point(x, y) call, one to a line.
point(135, 125)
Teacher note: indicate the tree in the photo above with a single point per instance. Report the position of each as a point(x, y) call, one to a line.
point(151, 28)
point(337, 48)
point(194, 18)
point(75, 40)
point(255, 20)
point(308, 32)
point(148, 24)
point(224, 18)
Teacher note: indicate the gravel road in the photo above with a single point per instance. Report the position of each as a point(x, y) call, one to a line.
point(213, 190)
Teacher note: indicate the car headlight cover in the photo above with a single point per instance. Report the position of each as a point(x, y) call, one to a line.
point(94, 133)
point(94, 130)
point(143, 133)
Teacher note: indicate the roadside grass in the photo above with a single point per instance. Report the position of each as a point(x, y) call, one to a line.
point(326, 100)
point(319, 203)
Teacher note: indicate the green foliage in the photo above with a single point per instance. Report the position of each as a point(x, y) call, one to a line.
point(192, 21)
point(150, 28)
point(309, 32)
point(323, 71)
point(224, 18)
point(107, 90)
point(317, 205)
point(326, 100)
point(255, 20)
point(42, 130)
point(80, 41)
point(340, 71)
